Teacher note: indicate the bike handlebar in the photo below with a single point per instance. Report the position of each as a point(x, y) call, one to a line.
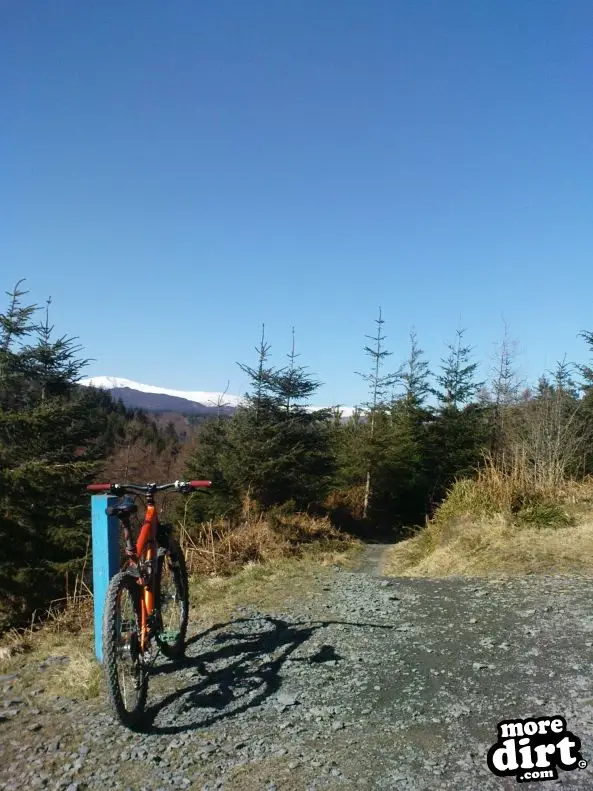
point(148, 488)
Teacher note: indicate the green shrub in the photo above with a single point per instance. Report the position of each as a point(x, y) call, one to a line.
point(544, 514)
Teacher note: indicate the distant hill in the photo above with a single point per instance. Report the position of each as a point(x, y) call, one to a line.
point(161, 402)
point(162, 399)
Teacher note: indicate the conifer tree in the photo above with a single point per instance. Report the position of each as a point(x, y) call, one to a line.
point(207, 461)
point(305, 434)
point(459, 434)
point(274, 449)
point(415, 376)
point(292, 384)
point(564, 380)
point(349, 441)
point(379, 385)
point(15, 325)
point(50, 441)
point(249, 459)
point(401, 480)
point(457, 378)
point(586, 414)
point(586, 370)
point(232, 454)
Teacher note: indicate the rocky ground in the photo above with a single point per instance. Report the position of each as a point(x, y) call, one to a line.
point(370, 683)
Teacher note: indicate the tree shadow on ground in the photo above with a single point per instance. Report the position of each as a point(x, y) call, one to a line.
point(345, 522)
point(367, 530)
point(249, 674)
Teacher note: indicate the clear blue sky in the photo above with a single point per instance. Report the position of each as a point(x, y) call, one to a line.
point(175, 173)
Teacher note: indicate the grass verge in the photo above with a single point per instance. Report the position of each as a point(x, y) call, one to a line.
point(487, 547)
point(56, 656)
point(487, 527)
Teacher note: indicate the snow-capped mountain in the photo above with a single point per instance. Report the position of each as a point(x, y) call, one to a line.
point(161, 399)
point(197, 396)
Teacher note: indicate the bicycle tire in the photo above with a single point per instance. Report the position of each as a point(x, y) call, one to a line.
point(173, 561)
point(120, 583)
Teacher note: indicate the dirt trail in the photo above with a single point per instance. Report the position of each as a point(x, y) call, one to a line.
point(371, 560)
point(367, 684)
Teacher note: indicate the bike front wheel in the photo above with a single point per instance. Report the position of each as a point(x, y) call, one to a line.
point(125, 672)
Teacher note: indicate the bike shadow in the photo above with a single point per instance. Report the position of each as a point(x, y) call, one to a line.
point(245, 672)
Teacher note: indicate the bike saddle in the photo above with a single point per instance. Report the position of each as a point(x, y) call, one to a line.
point(125, 506)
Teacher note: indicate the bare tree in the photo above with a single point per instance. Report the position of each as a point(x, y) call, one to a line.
point(550, 443)
point(505, 391)
point(220, 402)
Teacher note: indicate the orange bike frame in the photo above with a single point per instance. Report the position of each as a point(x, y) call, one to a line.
point(146, 551)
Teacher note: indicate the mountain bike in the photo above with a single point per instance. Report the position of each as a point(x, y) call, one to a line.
point(147, 601)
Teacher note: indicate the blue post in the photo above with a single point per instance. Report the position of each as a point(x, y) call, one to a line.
point(106, 562)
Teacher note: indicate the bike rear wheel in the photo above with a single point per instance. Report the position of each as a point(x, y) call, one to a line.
point(125, 672)
point(172, 601)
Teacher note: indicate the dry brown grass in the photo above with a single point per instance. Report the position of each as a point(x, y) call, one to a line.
point(65, 630)
point(220, 548)
point(517, 497)
point(491, 546)
point(519, 515)
point(70, 615)
point(262, 562)
point(267, 586)
point(503, 522)
point(347, 501)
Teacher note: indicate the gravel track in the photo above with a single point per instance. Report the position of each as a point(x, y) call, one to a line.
point(394, 685)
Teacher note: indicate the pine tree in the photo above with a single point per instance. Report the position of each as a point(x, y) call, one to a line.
point(407, 484)
point(379, 385)
point(50, 443)
point(250, 457)
point(564, 380)
point(292, 384)
point(53, 365)
point(207, 461)
point(273, 450)
point(586, 371)
point(398, 494)
point(586, 412)
point(459, 433)
point(457, 383)
point(349, 439)
point(348, 444)
point(305, 431)
point(262, 399)
point(416, 376)
point(15, 325)
point(402, 475)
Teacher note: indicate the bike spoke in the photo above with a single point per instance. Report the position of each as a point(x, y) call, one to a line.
point(128, 659)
